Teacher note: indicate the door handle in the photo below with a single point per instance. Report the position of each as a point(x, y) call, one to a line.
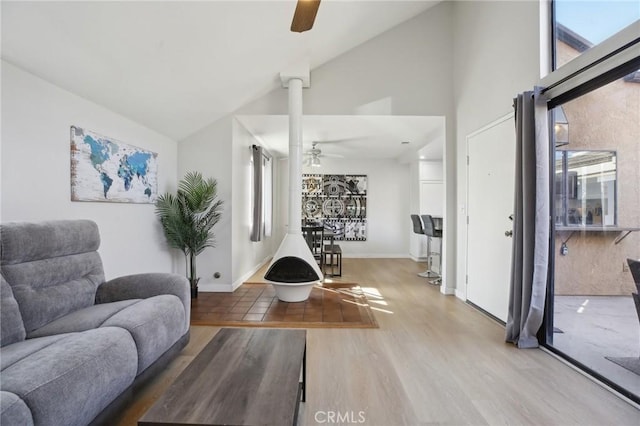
point(508, 233)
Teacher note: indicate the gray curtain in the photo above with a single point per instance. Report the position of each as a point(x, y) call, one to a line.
point(256, 228)
point(530, 254)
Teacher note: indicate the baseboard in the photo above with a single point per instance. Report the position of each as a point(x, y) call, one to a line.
point(215, 288)
point(418, 259)
point(375, 255)
point(230, 288)
point(449, 291)
point(461, 295)
point(249, 274)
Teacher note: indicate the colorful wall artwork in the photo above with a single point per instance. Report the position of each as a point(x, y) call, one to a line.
point(338, 201)
point(103, 169)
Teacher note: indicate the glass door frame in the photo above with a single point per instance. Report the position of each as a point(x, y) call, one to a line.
point(604, 63)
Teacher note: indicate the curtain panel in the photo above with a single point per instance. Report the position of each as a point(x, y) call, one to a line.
point(258, 196)
point(530, 253)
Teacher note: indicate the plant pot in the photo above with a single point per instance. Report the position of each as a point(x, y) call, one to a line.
point(194, 292)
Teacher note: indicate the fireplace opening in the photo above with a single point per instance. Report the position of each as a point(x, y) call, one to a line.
point(291, 269)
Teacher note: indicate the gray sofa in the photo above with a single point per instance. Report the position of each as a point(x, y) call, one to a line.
point(75, 347)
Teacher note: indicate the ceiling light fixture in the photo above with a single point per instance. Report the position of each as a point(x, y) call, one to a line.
point(315, 161)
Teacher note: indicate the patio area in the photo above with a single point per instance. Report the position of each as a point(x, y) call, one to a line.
point(591, 328)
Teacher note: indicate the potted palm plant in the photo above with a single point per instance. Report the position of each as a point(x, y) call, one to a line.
point(188, 218)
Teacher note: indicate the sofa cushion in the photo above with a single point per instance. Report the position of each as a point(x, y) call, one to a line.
point(155, 323)
point(28, 241)
point(10, 317)
point(11, 354)
point(72, 380)
point(53, 268)
point(145, 285)
point(84, 319)
point(13, 410)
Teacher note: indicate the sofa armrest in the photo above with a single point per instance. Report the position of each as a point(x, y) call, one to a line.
point(142, 286)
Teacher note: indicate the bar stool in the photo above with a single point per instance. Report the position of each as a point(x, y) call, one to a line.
point(432, 230)
point(418, 229)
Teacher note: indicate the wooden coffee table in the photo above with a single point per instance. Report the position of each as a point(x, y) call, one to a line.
point(244, 376)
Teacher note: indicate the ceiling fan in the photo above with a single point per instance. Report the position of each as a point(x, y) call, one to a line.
point(305, 15)
point(314, 154)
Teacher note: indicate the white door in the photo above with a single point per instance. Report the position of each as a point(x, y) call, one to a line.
point(491, 173)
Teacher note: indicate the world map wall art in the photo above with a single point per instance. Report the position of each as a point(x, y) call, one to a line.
point(337, 201)
point(103, 169)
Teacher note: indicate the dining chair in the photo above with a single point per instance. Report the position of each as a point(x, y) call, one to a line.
point(314, 235)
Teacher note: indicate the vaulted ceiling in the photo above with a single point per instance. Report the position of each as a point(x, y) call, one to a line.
point(176, 67)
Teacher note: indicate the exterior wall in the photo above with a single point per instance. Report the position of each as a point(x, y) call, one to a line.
point(605, 119)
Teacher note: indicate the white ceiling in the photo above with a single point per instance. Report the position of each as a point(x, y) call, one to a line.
point(357, 136)
point(176, 67)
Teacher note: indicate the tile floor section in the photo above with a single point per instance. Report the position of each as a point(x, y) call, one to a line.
point(335, 306)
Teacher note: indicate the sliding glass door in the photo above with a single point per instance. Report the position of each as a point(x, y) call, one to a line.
point(597, 227)
point(591, 318)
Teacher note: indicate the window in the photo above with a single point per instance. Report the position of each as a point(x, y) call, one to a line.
point(580, 25)
point(267, 191)
point(585, 191)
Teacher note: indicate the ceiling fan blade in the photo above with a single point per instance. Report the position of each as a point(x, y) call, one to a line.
point(349, 139)
point(305, 15)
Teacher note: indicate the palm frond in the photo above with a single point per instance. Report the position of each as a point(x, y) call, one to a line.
point(188, 217)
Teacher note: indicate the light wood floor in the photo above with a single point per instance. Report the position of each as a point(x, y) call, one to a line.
point(434, 360)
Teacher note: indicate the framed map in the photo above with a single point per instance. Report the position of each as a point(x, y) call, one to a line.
point(103, 169)
point(339, 202)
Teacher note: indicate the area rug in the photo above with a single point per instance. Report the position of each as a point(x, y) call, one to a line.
point(630, 363)
point(337, 305)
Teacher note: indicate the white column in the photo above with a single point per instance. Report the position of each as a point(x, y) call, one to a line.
point(295, 155)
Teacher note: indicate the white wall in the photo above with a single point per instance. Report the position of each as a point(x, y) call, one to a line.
point(36, 120)
point(431, 170)
point(209, 152)
point(428, 173)
point(497, 55)
point(407, 68)
point(462, 60)
point(221, 150)
point(247, 255)
point(387, 205)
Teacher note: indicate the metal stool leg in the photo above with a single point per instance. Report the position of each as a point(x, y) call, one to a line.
point(429, 272)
